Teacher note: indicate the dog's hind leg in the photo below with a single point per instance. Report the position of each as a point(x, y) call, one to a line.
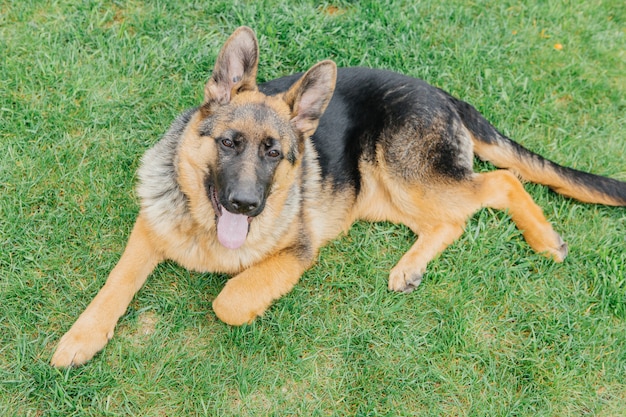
point(442, 222)
point(432, 240)
point(93, 329)
point(502, 190)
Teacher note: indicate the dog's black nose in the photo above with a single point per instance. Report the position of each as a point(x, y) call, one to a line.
point(244, 203)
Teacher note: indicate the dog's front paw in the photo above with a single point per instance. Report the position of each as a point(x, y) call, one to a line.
point(237, 306)
point(404, 279)
point(79, 345)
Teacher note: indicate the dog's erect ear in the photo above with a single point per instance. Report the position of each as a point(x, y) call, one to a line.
point(235, 68)
point(310, 95)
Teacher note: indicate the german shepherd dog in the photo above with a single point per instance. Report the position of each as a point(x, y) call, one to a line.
point(258, 177)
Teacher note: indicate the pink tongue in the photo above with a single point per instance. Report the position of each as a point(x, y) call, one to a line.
point(232, 229)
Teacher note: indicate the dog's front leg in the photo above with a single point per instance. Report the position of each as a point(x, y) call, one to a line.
point(93, 329)
point(250, 293)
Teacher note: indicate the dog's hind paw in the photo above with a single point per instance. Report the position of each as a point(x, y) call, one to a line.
point(404, 281)
point(562, 250)
point(557, 249)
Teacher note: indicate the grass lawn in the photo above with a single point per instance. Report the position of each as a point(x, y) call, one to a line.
point(495, 329)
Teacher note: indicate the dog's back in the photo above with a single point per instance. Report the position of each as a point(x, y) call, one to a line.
point(412, 122)
point(423, 133)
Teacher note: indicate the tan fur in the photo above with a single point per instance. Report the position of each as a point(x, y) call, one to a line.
point(250, 293)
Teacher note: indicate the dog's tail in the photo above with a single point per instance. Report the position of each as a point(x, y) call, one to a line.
point(491, 145)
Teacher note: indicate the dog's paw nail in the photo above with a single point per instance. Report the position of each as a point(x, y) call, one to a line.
point(412, 283)
point(562, 249)
point(404, 282)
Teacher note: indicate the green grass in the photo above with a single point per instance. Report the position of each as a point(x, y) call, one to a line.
point(494, 330)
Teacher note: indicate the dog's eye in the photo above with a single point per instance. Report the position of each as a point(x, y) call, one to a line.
point(273, 153)
point(228, 143)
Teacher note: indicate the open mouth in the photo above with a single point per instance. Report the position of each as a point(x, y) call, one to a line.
point(232, 229)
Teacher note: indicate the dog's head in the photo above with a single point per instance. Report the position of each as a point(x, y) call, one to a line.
point(244, 144)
